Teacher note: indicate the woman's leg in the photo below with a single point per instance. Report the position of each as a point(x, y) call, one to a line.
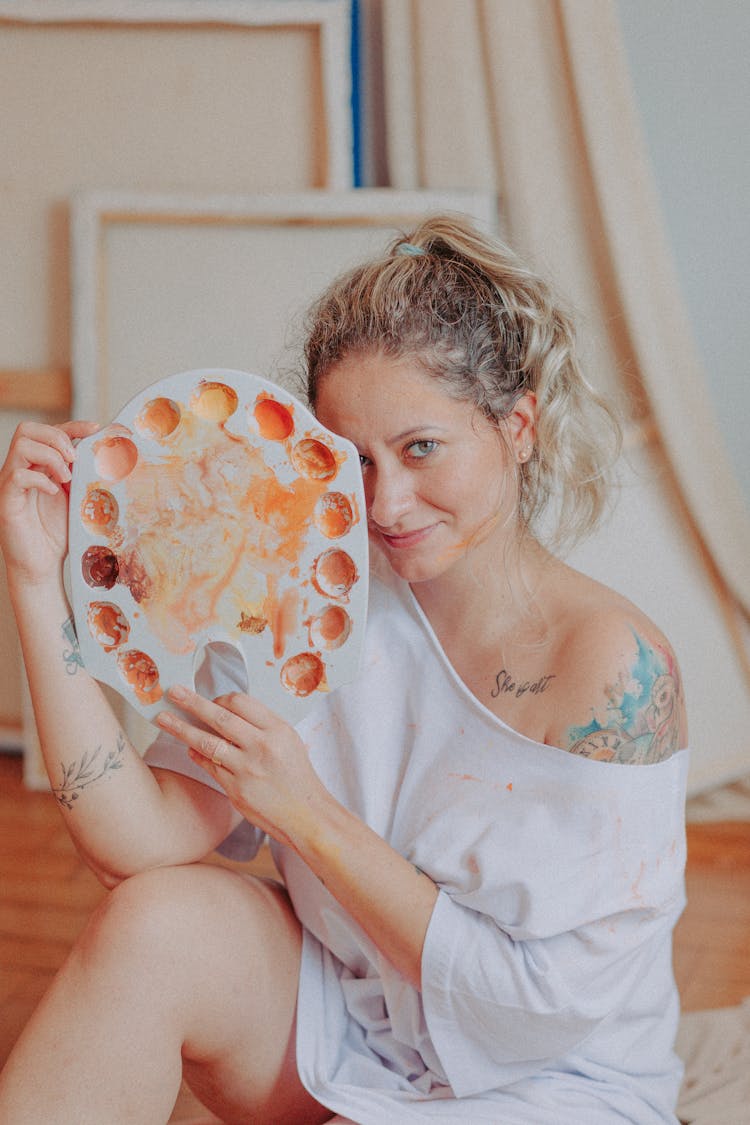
point(191, 962)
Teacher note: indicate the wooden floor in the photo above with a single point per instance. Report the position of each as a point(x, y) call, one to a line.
point(46, 894)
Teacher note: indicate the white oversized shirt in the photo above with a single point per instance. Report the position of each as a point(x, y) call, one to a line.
point(547, 989)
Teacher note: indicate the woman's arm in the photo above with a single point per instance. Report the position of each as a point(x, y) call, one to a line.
point(264, 767)
point(123, 818)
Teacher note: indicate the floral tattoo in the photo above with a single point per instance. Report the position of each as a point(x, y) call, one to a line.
point(77, 776)
point(640, 723)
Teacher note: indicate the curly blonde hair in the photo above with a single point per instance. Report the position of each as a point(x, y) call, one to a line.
point(473, 316)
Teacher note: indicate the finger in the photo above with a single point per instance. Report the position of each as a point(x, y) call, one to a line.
point(28, 480)
point(226, 721)
point(210, 746)
point(249, 709)
point(79, 429)
point(54, 457)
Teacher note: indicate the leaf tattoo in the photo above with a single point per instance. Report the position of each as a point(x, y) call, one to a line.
point(77, 776)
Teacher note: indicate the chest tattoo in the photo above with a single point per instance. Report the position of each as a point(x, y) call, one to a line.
point(506, 684)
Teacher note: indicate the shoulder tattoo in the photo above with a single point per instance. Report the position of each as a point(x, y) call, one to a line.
point(640, 721)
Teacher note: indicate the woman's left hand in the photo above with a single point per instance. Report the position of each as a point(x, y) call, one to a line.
point(258, 759)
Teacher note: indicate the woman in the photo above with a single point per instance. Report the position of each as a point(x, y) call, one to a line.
point(480, 837)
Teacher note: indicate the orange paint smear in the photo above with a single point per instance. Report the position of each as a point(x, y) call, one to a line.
point(283, 615)
point(212, 528)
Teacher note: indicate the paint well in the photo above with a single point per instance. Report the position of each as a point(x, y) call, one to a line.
point(303, 674)
point(159, 418)
point(331, 629)
point(274, 420)
point(108, 625)
point(215, 402)
point(99, 567)
point(115, 457)
point(334, 573)
point(99, 511)
point(312, 458)
point(334, 515)
point(140, 674)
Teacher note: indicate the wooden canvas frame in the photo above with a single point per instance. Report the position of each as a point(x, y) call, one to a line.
point(95, 215)
point(48, 389)
point(331, 19)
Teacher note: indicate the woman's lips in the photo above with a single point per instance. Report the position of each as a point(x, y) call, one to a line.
point(406, 539)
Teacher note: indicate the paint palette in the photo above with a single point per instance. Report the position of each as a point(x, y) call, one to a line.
point(216, 509)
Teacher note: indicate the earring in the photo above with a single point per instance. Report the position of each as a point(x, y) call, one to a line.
point(524, 454)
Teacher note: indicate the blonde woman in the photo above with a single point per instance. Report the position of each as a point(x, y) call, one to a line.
point(480, 838)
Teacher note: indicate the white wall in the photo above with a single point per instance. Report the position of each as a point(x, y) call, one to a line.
point(689, 65)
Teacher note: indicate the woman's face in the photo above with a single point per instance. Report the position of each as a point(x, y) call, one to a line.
point(439, 484)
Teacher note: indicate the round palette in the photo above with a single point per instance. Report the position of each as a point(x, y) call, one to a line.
point(215, 509)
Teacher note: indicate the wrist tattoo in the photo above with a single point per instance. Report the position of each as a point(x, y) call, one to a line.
point(71, 656)
point(77, 776)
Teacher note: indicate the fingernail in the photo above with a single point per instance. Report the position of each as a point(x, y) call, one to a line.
point(177, 692)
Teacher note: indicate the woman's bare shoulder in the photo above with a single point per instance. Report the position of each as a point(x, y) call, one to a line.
point(624, 695)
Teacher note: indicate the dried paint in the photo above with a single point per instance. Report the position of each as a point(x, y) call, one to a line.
point(334, 573)
point(108, 625)
point(283, 612)
point(331, 628)
point(159, 418)
point(215, 402)
point(99, 511)
point(303, 674)
point(275, 421)
point(200, 576)
point(140, 674)
point(334, 515)
point(311, 458)
point(251, 623)
point(99, 567)
point(115, 457)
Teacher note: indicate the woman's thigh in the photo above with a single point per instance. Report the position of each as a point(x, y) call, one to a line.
point(226, 951)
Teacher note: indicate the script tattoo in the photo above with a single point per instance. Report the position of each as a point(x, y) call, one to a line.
point(77, 776)
point(506, 685)
point(71, 656)
point(640, 722)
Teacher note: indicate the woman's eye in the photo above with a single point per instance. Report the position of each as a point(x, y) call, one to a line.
point(363, 461)
point(421, 449)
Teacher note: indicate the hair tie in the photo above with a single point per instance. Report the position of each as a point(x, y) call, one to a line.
point(409, 249)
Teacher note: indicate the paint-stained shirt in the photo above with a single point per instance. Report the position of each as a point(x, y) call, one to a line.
point(547, 989)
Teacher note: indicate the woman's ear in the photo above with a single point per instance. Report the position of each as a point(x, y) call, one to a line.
point(521, 423)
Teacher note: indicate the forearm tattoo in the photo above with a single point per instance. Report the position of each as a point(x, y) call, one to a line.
point(77, 776)
point(72, 655)
point(640, 722)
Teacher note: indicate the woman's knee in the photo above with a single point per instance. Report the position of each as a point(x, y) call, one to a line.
point(170, 913)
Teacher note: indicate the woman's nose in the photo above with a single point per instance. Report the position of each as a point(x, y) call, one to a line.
point(389, 496)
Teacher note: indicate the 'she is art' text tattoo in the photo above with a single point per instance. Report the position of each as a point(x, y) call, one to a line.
point(77, 776)
point(71, 656)
point(506, 685)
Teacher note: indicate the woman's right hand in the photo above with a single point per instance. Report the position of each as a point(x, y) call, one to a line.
point(34, 498)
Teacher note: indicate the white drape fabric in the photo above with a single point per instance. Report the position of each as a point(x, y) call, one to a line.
point(532, 100)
